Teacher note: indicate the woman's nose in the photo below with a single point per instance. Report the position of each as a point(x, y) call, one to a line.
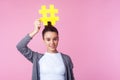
point(51, 41)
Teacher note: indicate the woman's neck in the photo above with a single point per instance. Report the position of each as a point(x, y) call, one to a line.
point(52, 51)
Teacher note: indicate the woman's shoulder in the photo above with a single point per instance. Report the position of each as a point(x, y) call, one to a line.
point(68, 60)
point(66, 56)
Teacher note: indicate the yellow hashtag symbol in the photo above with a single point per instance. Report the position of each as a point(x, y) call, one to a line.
point(48, 14)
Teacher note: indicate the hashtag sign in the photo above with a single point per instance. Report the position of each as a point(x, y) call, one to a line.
point(48, 14)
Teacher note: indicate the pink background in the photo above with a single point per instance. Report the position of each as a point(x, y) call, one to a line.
point(89, 33)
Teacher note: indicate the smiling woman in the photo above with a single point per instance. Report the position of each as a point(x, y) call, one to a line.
point(52, 65)
point(50, 37)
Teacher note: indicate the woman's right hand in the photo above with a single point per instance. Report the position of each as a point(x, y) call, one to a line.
point(37, 26)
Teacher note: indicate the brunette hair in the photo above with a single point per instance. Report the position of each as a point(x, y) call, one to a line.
point(49, 27)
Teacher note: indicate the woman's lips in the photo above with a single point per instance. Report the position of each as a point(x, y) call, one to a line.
point(52, 46)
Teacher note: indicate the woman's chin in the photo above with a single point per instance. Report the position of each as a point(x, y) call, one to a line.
point(52, 50)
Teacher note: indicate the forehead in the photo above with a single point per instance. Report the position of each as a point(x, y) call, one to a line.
point(50, 34)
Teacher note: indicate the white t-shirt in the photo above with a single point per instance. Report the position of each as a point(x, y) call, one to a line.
point(52, 67)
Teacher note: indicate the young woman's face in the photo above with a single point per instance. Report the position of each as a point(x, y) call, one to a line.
point(51, 41)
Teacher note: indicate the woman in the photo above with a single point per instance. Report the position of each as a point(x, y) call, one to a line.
point(52, 65)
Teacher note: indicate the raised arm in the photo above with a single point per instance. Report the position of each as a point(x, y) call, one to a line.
point(22, 45)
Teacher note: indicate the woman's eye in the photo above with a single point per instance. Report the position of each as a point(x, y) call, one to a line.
point(48, 39)
point(55, 39)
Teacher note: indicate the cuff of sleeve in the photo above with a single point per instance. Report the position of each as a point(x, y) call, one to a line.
point(28, 37)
